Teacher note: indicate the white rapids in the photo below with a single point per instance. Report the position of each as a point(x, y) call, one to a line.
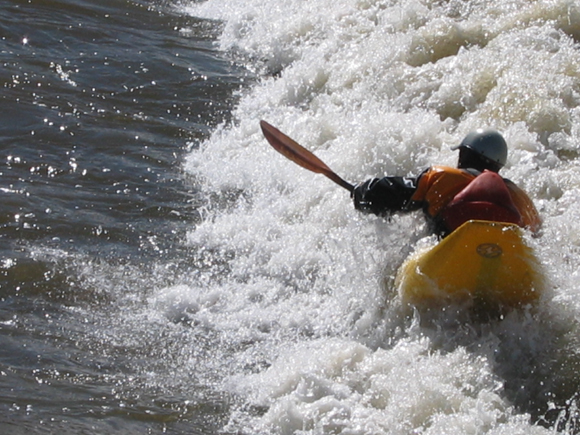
point(309, 338)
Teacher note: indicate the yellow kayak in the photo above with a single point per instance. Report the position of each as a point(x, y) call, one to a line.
point(481, 261)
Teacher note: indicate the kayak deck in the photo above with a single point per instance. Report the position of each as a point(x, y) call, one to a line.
point(481, 261)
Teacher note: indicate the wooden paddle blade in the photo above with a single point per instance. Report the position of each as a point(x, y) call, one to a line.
point(292, 149)
point(299, 155)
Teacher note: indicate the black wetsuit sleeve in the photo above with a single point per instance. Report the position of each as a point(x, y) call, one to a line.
point(385, 195)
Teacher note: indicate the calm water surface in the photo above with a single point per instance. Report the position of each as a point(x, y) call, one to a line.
point(99, 102)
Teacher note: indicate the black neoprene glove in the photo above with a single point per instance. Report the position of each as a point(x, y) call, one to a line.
point(365, 199)
point(385, 195)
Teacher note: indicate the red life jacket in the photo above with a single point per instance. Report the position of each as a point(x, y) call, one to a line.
point(485, 198)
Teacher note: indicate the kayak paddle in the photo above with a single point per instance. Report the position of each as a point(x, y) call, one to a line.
point(300, 155)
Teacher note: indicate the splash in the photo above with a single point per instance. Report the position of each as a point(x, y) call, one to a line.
point(297, 283)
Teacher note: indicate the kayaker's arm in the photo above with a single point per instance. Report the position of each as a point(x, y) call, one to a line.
point(383, 196)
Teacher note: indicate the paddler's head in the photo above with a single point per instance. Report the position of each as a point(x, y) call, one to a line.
point(482, 149)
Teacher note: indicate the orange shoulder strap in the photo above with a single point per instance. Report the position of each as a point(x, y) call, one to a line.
point(438, 185)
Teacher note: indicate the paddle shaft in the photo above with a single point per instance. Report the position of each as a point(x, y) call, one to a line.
point(300, 155)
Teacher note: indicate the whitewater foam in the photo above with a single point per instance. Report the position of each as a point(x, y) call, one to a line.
point(315, 340)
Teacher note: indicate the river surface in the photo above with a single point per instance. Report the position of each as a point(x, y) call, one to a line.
point(163, 270)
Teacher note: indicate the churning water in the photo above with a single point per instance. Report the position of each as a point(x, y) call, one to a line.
point(163, 269)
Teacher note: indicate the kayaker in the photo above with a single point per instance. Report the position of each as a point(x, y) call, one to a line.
point(451, 196)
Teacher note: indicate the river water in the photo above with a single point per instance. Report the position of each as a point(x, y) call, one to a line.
point(163, 270)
